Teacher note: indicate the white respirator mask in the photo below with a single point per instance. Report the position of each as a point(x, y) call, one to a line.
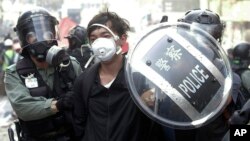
point(105, 48)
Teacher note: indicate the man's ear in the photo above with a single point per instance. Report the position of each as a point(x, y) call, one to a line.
point(123, 39)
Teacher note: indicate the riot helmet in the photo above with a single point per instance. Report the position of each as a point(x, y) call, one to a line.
point(77, 36)
point(206, 20)
point(37, 32)
point(242, 51)
point(241, 56)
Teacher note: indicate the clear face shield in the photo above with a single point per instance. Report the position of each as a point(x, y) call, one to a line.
point(38, 29)
point(39, 36)
point(179, 75)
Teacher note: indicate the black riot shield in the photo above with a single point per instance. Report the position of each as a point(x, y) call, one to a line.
point(178, 75)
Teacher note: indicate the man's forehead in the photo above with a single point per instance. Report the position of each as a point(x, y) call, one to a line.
point(99, 31)
point(109, 24)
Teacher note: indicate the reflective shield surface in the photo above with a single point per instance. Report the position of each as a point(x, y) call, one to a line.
point(179, 75)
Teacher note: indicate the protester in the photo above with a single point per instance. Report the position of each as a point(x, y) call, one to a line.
point(104, 109)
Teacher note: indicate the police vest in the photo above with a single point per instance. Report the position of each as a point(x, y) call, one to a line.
point(61, 85)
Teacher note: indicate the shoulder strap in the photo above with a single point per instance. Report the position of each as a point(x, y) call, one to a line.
point(25, 67)
point(65, 77)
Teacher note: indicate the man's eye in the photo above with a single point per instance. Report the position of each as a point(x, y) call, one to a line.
point(107, 36)
point(92, 40)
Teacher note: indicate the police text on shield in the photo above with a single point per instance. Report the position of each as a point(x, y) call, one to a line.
point(193, 81)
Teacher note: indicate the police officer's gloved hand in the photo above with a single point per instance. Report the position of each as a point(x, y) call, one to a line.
point(65, 102)
point(241, 116)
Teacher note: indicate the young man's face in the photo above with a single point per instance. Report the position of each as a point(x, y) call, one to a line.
point(104, 43)
point(99, 32)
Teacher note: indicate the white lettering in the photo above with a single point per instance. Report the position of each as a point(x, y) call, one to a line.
point(197, 86)
point(202, 72)
point(189, 86)
point(193, 81)
point(239, 132)
point(163, 64)
point(184, 89)
point(243, 131)
point(201, 79)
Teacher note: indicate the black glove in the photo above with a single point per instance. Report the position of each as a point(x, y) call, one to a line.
point(65, 102)
point(241, 116)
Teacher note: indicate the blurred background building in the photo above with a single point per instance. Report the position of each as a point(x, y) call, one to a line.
point(140, 13)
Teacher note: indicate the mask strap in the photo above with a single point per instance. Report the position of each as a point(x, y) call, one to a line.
point(89, 61)
point(119, 50)
point(101, 25)
point(82, 46)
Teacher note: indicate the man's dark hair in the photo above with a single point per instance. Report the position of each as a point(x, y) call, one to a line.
point(118, 24)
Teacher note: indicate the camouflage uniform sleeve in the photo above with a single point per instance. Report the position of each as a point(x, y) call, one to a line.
point(26, 107)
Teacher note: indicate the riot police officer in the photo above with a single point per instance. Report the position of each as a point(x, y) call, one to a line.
point(210, 22)
point(78, 45)
point(240, 56)
point(39, 85)
point(240, 65)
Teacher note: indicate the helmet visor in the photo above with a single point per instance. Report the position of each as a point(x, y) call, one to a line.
point(38, 29)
